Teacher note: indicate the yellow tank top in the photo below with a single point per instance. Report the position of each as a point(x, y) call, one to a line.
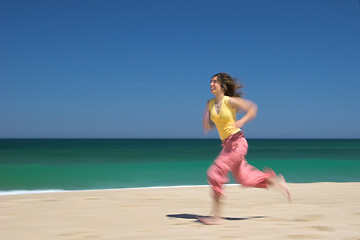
point(224, 118)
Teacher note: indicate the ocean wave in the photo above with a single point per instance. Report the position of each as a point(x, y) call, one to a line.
point(17, 192)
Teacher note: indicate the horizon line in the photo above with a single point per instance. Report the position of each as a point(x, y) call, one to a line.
point(173, 138)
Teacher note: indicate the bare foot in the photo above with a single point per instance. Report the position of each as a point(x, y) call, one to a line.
point(284, 186)
point(211, 220)
point(280, 183)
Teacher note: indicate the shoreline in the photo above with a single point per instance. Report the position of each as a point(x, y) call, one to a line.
point(25, 192)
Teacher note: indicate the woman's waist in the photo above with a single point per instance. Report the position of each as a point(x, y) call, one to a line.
point(226, 130)
point(232, 137)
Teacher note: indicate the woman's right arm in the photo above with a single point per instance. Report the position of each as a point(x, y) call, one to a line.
point(207, 124)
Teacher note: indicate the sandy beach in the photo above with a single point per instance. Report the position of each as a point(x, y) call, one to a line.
point(318, 211)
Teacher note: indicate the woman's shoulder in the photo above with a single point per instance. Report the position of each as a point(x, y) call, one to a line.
point(231, 101)
point(228, 99)
point(211, 101)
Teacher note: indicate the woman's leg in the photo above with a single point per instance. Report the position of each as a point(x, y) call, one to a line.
point(249, 176)
point(217, 176)
point(216, 209)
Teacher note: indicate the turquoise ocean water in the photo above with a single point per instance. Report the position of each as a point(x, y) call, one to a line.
point(80, 164)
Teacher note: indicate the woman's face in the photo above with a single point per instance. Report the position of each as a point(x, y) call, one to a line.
point(215, 86)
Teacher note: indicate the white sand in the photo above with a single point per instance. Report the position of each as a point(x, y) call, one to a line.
point(318, 211)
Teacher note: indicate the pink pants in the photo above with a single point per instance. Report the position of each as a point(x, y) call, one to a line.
point(232, 158)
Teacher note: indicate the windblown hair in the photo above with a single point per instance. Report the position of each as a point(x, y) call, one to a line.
point(231, 86)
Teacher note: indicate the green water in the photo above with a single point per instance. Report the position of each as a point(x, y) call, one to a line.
point(73, 164)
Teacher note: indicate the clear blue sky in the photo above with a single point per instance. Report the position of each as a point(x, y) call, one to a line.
point(139, 68)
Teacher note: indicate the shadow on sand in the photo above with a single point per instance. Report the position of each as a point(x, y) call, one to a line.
point(195, 217)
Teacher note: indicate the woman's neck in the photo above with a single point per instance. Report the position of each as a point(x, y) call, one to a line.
point(219, 97)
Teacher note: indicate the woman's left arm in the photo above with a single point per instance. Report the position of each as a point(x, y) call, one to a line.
point(247, 106)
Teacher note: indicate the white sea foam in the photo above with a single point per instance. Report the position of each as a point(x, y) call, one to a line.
point(19, 192)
